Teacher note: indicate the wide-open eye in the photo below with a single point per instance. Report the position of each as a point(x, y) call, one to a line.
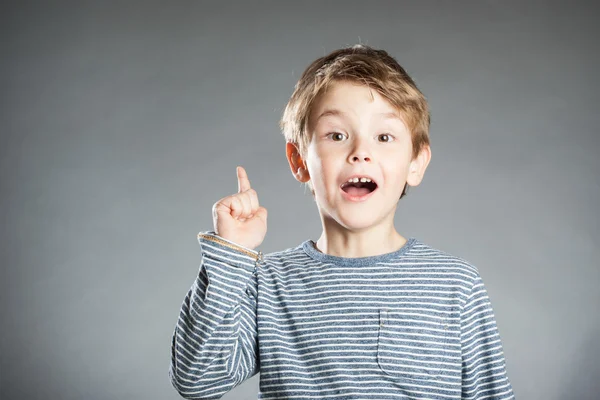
point(384, 137)
point(337, 137)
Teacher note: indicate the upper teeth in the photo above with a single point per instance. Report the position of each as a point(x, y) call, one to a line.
point(355, 180)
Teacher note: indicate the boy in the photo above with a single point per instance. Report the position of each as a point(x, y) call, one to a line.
point(362, 313)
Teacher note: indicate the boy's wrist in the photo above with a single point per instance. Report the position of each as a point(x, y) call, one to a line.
point(211, 236)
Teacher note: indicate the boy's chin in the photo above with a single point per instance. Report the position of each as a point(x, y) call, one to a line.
point(358, 223)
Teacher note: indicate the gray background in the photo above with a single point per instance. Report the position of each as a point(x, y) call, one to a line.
point(123, 122)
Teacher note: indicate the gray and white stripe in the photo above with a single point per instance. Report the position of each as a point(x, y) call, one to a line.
point(413, 324)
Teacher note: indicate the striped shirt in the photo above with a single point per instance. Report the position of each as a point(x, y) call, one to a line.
point(412, 324)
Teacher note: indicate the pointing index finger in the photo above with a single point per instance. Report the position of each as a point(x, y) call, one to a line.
point(243, 182)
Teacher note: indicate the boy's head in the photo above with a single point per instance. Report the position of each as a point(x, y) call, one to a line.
point(361, 65)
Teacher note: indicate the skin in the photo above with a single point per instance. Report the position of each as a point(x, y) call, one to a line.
point(239, 217)
point(353, 131)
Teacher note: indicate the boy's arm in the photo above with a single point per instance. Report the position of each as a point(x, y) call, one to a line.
point(483, 365)
point(214, 346)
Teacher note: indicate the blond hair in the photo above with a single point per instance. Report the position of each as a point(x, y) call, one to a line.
point(364, 65)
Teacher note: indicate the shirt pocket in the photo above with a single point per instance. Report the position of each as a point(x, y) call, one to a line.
point(411, 345)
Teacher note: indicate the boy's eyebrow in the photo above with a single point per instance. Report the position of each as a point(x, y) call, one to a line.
point(330, 112)
point(391, 115)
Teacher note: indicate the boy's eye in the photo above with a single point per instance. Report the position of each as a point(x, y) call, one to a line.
point(337, 137)
point(384, 137)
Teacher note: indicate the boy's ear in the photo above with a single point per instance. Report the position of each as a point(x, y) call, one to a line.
point(418, 166)
point(296, 163)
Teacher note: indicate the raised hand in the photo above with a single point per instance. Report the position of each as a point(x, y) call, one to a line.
point(239, 218)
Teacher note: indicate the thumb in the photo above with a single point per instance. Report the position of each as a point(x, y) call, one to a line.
point(261, 213)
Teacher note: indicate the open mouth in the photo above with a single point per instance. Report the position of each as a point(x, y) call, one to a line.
point(359, 186)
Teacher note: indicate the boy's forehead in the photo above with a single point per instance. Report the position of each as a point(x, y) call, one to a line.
point(333, 112)
point(342, 98)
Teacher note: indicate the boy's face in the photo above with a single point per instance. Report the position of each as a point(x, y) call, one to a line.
point(356, 133)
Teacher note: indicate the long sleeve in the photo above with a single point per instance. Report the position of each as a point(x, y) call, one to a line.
point(483, 364)
point(214, 345)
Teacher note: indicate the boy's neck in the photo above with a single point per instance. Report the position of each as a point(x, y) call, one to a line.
point(339, 242)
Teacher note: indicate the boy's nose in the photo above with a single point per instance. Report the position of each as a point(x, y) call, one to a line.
point(360, 151)
point(360, 157)
point(360, 154)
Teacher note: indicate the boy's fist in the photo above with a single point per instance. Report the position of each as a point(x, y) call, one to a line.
point(239, 218)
